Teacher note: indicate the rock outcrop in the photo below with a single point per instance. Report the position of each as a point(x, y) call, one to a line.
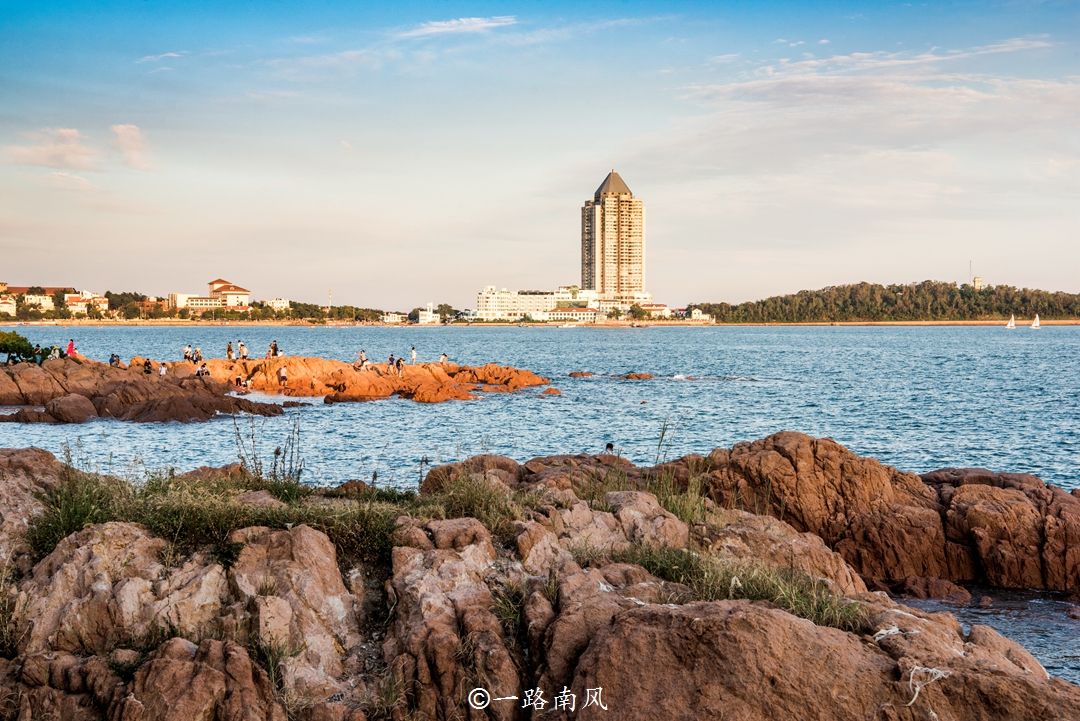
point(117, 625)
point(1006, 530)
point(25, 474)
point(341, 382)
point(78, 390)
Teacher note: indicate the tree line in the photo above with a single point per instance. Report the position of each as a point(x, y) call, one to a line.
point(926, 301)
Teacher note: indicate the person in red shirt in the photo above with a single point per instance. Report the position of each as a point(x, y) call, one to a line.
point(71, 347)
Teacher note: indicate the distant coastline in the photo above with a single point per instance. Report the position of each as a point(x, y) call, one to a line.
point(174, 323)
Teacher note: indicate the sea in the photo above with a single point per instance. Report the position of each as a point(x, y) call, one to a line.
point(918, 398)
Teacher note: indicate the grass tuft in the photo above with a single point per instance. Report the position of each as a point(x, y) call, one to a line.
point(711, 579)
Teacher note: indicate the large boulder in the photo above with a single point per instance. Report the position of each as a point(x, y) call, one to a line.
point(25, 473)
point(1001, 529)
point(72, 408)
point(288, 585)
point(106, 587)
point(445, 634)
point(735, 659)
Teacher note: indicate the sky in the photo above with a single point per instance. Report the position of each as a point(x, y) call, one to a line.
point(400, 153)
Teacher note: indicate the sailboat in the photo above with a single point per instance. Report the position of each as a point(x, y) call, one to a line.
point(1035, 323)
point(1011, 325)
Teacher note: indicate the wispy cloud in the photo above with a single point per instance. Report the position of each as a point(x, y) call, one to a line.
point(131, 143)
point(162, 56)
point(879, 60)
point(63, 180)
point(458, 26)
point(62, 148)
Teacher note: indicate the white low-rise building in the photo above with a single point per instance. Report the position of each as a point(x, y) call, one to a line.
point(496, 304)
point(7, 305)
point(43, 302)
point(222, 294)
point(393, 318)
point(697, 314)
point(278, 304)
point(574, 314)
point(428, 316)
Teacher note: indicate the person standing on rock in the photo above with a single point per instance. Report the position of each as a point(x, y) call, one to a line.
point(443, 359)
point(196, 357)
point(399, 366)
point(273, 349)
point(282, 378)
point(390, 362)
point(161, 370)
point(187, 352)
point(412, 354)
point(147, 367)
point(229, 350)
point(71, 352)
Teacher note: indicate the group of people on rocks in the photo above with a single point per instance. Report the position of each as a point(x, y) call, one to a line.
point(396, 364)
point(241, 352)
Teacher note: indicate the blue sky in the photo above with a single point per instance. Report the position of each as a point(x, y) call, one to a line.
point(408, 152)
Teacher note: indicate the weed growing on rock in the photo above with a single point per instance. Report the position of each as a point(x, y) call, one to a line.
point(11, 633)
point(79, 500)
point(712, 579)
point(474, 496)
point(508, 605)
point(272, 655)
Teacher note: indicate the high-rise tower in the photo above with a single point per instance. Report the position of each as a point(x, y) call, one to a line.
point(613, 241)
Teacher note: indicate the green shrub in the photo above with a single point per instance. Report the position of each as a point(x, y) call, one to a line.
point(78, 501)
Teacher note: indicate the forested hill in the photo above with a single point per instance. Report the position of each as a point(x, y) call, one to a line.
point(868, 302)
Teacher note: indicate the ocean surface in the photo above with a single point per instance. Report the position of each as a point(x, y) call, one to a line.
point(918, 398)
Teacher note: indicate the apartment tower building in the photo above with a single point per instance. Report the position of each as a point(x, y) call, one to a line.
point(613, 242)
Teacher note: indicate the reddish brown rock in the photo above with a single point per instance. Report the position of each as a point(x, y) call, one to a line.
point(702, 656)
point(71, 408)
point(1005, 530)
point(500, 468)
point(214, 680)
point(938, 588)
point(636, 376)
point(581, 374)
point(25, 474)
point(341, 382)
point(551, 392)
point(74, 391)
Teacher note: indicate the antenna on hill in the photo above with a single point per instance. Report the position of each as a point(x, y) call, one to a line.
point(330, 298)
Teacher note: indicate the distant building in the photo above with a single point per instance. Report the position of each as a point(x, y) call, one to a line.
point(656, 310)
point(428, 316)
point(393, 318)
point(42, 302)
point(977, 283)
point(574, 314)
point(278, 304)
point(222, 294)
point(613, 242)
point(495, 304)
point(83, 302)
point(7, 305)
point(697, 314)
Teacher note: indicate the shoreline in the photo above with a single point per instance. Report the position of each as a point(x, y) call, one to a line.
point(1021, 323)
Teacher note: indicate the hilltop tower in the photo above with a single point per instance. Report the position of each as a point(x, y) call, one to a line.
point(613, 241)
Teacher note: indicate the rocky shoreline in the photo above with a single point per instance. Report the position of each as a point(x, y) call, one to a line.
point(76, 390)
point(750, 580)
